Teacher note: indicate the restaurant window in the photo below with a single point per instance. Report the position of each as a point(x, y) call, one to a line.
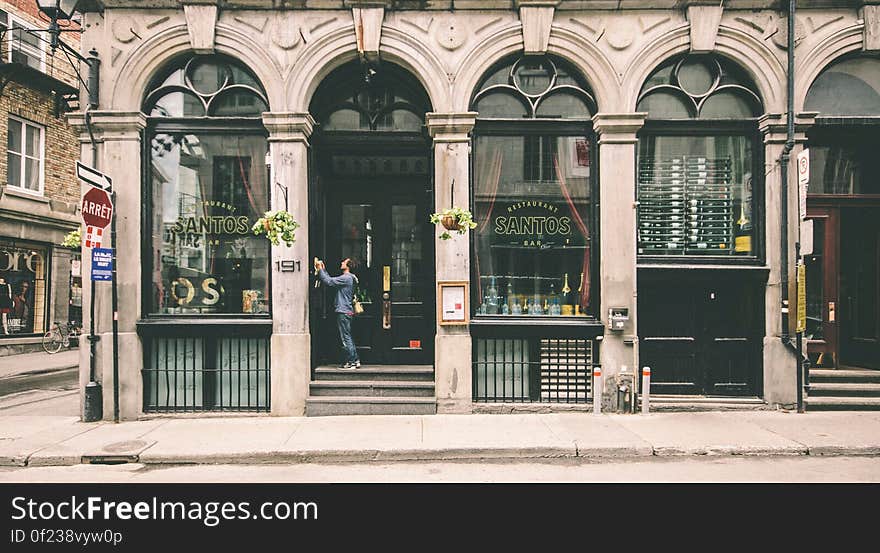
point(699, 183)
point(23, 288)
point(533, 193)
point(208, 185)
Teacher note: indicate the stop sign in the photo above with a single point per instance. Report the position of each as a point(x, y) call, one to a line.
point(96, 208)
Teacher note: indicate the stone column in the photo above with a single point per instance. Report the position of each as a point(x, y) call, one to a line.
point(779, 362)
point(118, 134)
point(291, 341)
point(452, 346)
point(617, 248)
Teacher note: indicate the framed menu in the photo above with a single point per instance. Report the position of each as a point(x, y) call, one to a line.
point(452, 303)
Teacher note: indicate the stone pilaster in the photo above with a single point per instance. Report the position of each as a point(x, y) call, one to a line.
point(291, 341)
point(452, 357)
point(118, 136)
point(617, 248)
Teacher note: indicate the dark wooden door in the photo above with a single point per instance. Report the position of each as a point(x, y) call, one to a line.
point(860, 287)
point(701, 336)
point(823, 303)
point(383, 226)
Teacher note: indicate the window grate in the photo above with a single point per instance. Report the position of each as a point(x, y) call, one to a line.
point(207, 374)
point(521, 370)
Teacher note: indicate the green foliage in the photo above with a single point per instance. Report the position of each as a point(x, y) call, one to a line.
point(463, 220)
point(73, 240)
point(277, 226)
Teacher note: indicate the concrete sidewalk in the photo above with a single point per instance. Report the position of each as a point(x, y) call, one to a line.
point(45, 441)
point(38, 363)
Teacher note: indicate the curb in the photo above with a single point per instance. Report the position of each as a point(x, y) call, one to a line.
point(39, 372)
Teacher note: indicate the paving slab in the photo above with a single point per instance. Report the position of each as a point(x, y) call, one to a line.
point(597, 436)
point(23, 436)
point(356, 437)
point(124, 441)
point(492, 436)
point(826, 433)
point(707, 434)
point(219, 440)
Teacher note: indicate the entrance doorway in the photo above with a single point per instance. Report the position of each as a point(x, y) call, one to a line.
point(370, 200)
point(843, 283)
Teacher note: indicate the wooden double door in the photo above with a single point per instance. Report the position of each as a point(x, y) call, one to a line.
point(382, 224)
point(843, 282)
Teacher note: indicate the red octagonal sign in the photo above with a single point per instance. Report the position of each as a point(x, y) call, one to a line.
point(96, 208)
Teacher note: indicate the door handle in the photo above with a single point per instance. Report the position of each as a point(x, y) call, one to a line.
point(386, 311)
point(831, 315)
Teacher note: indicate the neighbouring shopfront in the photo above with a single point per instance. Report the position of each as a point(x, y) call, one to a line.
point(621, 166)
point(24, 287)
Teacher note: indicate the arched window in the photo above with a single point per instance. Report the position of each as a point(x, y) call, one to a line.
point(843, 156)
point(699, 182)
point(206, 185)
point(363, 98)
point(533, 196)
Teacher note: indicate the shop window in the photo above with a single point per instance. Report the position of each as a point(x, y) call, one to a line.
point(376, 99)
point(533, 192)
point(699, 188)
point(207, 186)
point(23, 288)
point(24, 155)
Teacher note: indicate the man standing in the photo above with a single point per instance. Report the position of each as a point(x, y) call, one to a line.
point(344, 285)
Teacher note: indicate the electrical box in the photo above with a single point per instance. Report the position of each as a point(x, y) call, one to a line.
point(617, 317)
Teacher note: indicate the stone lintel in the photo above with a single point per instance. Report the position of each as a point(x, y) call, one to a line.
point(451, 127)
point(109, 125)
point(618, 128)
point(201, 23)
point(368, 29)
point(288, 126)
point(704, 22)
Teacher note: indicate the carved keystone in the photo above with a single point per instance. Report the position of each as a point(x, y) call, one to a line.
point(536, 19)
point(368, 29)
point(704, 22)
point(871, 16)
point(201, 22)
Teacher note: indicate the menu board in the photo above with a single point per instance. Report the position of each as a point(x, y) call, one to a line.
point(685, 206)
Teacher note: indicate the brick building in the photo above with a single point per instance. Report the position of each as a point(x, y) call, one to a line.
point(39, 192)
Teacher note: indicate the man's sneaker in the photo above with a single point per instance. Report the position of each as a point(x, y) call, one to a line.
point(347, 366)
point(357, 364)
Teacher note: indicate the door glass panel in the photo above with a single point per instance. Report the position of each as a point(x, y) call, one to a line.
point(406, 254)
point(815, 283)
point(357, 244)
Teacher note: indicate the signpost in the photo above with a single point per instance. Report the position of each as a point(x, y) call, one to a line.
point(803, 172)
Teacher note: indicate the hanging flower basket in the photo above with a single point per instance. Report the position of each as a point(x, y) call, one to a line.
point(73, 239)
point(453, 219)
point(277, 226)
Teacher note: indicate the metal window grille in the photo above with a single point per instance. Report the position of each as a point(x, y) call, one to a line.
point(206, 374)
point(532, 370)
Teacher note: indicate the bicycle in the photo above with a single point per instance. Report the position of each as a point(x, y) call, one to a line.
point(59, 336)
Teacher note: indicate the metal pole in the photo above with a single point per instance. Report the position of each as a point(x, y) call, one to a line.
point(646, 389)
point(597, 389)
point(115, 308)
point(800, 340)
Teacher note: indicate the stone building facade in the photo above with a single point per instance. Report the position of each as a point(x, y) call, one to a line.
point(527, 113)
point(39, 193)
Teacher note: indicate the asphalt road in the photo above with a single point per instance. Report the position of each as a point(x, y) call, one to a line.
point(54, 380)
point(717, 469)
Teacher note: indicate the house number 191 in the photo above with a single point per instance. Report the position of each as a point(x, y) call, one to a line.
point(287, 266)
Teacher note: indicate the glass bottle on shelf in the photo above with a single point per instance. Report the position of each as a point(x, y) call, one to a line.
point(577, 306)
point(510, 300)
point(567, 298)
point(492, 298)
point(553, 301)
point(742, 232)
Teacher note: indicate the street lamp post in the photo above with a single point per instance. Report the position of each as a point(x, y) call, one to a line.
point(56, 10)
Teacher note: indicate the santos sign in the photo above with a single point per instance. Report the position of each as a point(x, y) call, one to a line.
point(535, 224)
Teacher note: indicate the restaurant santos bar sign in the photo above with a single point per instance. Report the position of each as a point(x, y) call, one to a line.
point(535, 224)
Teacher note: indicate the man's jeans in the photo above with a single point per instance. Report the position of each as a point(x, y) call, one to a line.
point(343, 322)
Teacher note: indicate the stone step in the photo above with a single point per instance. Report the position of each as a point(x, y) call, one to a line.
point(844, 389)
point(668, 402)
point(844, 375)
point(355, 405)
point(843, 404)
point(371, 388)
point(409, 373)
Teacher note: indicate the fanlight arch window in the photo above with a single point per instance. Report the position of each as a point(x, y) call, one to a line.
point(367, 98)
point(206, 86)
point(534, 87)
point(699, 86)
point(848, 87)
